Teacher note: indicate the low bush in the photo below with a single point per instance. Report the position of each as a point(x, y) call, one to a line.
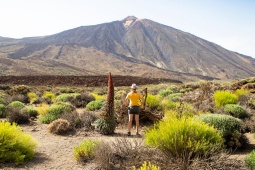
point(59, 127)
point(153, 102)
point(48, 97)
point(31, 111)
point(184, 138)
point(85, 150)
point(98, 96)
point(147, 166)
point(16, 105)
point(105, 127)
point(174, 96)
point(174, 88)
point(168, 104)
point(17, 97)
point(19, 89)
point(17, 116)
point(55, 111)
point(42, 109)
point(95, 105)
point(85, 119)
point(32, 97)
point(229, 126)
point(222, 98)
point(3, 111)
point(250, 159)
point(65, 97)
point(235, 110)
point(241, 92)
point(2, 101)
point(120, 95)
point(81, 100)
point(164, 93)
point(15, 145)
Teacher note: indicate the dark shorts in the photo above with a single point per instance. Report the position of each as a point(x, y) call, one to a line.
point(133, 110)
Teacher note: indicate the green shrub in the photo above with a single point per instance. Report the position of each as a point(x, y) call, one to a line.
point(224, 97)
point(32, 112)
point(153, 102)
point(229, 126)
point(15, 145)
point(250, 159)
point(66, 90)
point(174, 88)
point(85, 150)
point(148, 166)
point(105, 127)
point(164, 93)
point(95, 105)
point(59, 127)
point(184, 137)
point(64, 97)
point(185, 90)
point(174, 96)
point(235, 110)
point(3, 111)
point(54, 112)
point(16, 105)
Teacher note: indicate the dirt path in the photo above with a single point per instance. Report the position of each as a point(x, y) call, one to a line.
point(56, 152)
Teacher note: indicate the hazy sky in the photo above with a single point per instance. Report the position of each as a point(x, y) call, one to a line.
point(228, 23)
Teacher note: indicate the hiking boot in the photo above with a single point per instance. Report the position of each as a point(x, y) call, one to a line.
point(137, 134)
point(129, 134)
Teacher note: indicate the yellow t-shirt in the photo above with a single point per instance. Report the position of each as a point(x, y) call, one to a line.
point(134, 98)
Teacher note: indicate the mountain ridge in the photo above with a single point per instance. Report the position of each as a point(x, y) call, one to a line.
point(130, 46)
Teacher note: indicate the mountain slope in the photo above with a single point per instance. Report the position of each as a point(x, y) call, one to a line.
point(131, 46)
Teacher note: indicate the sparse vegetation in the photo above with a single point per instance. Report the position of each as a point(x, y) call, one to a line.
point(95, 105)
point(85, 150)
point(176, 140)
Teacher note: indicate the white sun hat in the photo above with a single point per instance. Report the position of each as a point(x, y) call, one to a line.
point(134, 86)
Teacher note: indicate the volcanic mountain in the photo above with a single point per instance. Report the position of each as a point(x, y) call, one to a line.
point(132, 46)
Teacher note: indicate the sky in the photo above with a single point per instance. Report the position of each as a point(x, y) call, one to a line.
point(228, 23)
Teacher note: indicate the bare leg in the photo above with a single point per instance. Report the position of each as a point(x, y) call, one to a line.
point(130, 120)
point(137, 122)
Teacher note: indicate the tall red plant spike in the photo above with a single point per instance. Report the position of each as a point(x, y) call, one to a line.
point(110, 97)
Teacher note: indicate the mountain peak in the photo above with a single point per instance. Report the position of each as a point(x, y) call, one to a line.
point(129, 20)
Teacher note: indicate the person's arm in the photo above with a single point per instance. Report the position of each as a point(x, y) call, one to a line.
point(126, 101)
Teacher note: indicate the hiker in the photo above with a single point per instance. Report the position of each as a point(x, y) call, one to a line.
point(133, 102)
